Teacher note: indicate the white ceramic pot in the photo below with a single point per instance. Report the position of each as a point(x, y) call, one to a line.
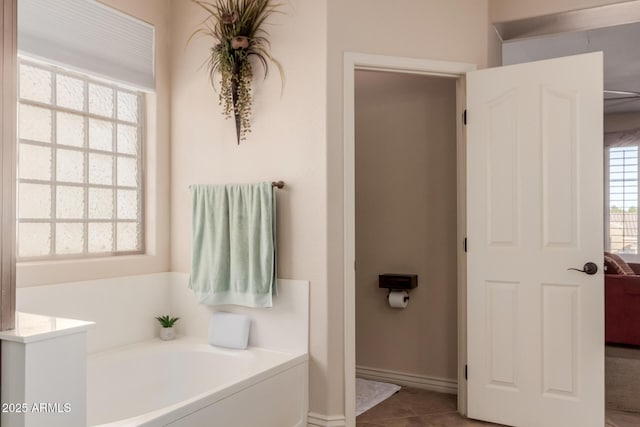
point(167, 334)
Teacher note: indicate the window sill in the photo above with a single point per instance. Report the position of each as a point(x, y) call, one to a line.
point(48, 272)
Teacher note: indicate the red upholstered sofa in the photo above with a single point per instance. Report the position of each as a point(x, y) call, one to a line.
point(622, 307)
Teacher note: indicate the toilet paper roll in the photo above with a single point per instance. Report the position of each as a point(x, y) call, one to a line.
point(398, 299)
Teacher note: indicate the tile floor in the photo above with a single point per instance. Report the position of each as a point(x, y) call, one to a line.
point(622, 419)
point(412, 407)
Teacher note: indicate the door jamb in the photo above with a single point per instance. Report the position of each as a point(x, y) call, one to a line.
point(457, 70)
point(8, 74)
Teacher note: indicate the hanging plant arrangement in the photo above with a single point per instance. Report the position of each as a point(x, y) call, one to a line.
point(238, 37)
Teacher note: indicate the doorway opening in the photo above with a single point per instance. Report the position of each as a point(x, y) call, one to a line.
point(381, 67)
point(405, 206)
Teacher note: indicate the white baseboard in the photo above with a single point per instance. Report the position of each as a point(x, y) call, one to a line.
point(441, 385)
point(319, 420)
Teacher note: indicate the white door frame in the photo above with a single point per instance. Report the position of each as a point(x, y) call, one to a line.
point(361, 61)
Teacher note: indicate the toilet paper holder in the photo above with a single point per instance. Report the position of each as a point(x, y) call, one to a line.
point(406, 298)
point(398, 286)
point(398, 282)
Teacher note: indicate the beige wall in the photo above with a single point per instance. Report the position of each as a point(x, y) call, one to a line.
point(290, 140)
point(287, 142)
point(621, 122)
point(406, 221)
point(155, 12)
point(508, 10)
point(453, 30)
point(494, 48)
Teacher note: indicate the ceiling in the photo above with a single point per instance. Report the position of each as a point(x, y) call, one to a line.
point(621, 47)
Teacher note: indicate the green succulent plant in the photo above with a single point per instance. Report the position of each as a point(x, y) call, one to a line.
point(236, 29)
point(167, 321)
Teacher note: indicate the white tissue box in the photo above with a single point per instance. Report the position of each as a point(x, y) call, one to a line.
point(229, 330)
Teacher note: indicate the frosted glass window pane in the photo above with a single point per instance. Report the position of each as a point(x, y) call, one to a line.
point(74, 169)
point(127, 172)
point(100, 203)
point(100, 237)
point(127, 139)
point(35, 84)
point(100, 135)
point(34, 123)
point(100, 100)
point(70, 202)
point(69, 92)
point(34, 162)
point(69, 238)
point(128, 236)
point(70, 129)
point(70, 166)
point(100, 169)
point(127, 204)
point(34, 239)
point(34, 201)
point(127, 107)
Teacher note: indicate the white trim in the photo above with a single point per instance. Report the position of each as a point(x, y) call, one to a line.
point(8, 72)
point(405, 65)
point(319, 420)
point(353, 61)
point(349, 219)
point(441, 385)
point(461, 233)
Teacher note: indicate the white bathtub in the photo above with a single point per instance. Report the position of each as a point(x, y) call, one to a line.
point(188, 383)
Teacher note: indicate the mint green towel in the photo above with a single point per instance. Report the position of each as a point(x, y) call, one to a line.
point(233, 256)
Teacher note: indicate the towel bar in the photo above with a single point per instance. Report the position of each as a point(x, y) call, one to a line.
point(277, 184)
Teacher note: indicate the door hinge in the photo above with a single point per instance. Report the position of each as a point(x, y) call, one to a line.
point(466, 372)
point(465, 244)
point(464, 117)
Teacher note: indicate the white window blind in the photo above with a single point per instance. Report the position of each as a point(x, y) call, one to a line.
point(89, 37)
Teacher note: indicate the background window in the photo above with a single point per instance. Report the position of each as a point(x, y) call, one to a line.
point(622, 177)
point(79, 165)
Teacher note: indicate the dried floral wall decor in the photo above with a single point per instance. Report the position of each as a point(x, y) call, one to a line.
point(238, 37)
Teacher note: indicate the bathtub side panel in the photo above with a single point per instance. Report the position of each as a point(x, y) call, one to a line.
point(278, 401)
point(44, 382)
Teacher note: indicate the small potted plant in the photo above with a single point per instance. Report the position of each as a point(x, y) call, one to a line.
point(167, 332)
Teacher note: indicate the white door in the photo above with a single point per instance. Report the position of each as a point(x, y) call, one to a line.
point(535, 203)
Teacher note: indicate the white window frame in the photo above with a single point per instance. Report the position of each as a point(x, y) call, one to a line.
point(141, 127)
